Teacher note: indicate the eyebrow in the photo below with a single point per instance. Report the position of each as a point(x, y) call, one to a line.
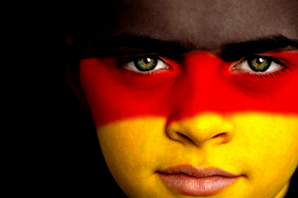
point(128, 45)
point(236, 51)
point(125, 45)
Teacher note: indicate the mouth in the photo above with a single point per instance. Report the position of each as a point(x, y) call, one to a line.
point(189, 180)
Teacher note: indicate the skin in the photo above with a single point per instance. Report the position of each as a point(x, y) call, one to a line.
point(200, 109)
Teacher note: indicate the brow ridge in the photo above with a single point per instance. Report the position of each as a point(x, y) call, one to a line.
point(125, 44)
point(236, 51)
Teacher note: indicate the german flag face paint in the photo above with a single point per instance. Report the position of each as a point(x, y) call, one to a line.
point(201, 112)
point(197, 104)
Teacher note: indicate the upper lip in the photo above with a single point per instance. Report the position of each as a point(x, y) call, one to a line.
point(197, 171)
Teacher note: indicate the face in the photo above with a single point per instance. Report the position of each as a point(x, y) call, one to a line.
point(196, 98)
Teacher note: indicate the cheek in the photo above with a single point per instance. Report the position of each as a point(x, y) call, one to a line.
point(134, 149)
point(269, 148)
point(275, 93)
point(115, 94)
point(265, 136)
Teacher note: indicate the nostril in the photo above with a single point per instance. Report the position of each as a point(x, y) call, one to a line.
point(223, 137)
point(182, 136)
point(220, 134)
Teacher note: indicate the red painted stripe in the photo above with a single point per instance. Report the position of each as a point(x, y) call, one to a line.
point(202, 82)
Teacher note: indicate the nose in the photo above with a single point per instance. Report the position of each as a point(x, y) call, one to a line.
point(198, 116)
point(201, 129)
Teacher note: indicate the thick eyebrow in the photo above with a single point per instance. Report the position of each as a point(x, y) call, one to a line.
point(236, 51)
point(129, 45)
point(126, 45)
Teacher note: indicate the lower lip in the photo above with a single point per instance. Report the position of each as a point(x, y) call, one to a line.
point(200, 186)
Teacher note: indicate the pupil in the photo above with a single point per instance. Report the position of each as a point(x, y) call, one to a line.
point(147, 60)
point(259, 61)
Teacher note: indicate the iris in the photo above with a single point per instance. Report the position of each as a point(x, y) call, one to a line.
point(145, 63)
point(259, 64)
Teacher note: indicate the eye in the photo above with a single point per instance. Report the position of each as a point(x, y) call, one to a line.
point(145, 64)
point(258, 64)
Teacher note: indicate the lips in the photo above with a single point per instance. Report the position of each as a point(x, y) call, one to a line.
point(190, 180)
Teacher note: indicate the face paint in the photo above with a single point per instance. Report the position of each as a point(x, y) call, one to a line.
point(167, 117)
point(138, 151)
point(204, 83)
point(192, 107)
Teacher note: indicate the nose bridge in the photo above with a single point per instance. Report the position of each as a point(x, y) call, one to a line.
point(201, 66)
point(197, 116)
point(202, 128)
point(199, 88)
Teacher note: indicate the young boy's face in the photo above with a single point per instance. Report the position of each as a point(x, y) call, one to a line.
point(196, 98)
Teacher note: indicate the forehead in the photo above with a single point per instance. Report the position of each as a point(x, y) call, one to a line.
point(205, 24)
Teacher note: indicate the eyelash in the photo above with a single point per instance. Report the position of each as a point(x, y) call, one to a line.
point(138, 74)
point(261, 75)
point(127, 60)
point(283, 70)
point(265, 76)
